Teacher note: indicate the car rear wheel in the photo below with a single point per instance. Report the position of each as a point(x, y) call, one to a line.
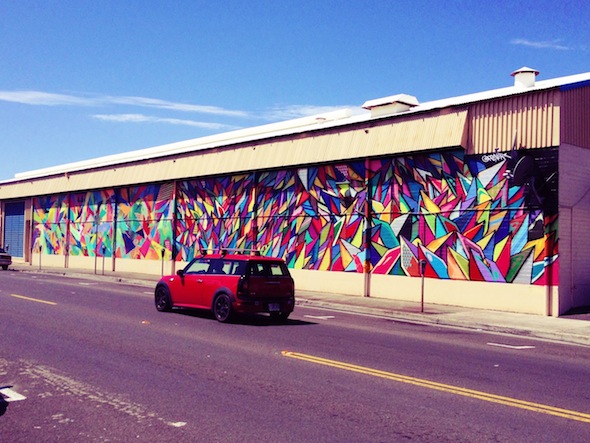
point(222, 308)
point(5, 267)
point(163, 301)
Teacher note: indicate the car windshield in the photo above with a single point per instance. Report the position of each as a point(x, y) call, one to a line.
point(2, 251)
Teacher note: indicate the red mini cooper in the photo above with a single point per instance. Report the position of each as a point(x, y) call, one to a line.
point(230, 283)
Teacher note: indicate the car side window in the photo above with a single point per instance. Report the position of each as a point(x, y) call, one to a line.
point(236, 267)
point(198, 266)
point(217, 266)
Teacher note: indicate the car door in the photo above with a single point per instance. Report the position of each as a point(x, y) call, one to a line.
point(217, 277)
point(192, 291)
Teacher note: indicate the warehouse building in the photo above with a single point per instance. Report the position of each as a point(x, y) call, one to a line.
point(480, 200)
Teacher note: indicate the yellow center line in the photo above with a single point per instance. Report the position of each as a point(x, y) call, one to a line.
point(33, 299)
point(480, 395)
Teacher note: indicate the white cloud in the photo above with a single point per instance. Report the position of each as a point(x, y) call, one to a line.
point(44, 98)
point(41, 98)
point(296, 111)
point(140, 118)
point(540, 44)
point(163, 104)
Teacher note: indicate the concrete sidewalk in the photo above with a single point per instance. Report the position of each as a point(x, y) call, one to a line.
point(573, 329)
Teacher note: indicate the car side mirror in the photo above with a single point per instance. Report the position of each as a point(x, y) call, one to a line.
point(180, 273)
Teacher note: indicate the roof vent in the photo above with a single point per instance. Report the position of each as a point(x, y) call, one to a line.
point(393, 104)
point(524, 77)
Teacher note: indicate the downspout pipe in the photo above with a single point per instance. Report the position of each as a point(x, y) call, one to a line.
point(368, 224)
point(173, 244)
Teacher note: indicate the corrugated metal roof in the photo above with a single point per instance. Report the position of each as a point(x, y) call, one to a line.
point(203, 143)
point(333, 119)
point(503, 92)
point(385, 137)
point(494, 117)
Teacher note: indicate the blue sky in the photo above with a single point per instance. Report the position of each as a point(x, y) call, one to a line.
point(83, 79)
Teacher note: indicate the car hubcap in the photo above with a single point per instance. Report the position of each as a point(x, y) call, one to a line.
point(161, 299)
point(222, 308)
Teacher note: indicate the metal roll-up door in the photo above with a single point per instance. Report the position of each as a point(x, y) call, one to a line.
point(14, 228)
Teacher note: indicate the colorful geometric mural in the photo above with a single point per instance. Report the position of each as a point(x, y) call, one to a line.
point(91, 223)
point(314, 217)
point(482, 217)
point(463, 217)
point(50, 224)
point(144, 222)
point(214, 213)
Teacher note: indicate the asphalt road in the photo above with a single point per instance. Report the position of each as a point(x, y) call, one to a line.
point(89, 361)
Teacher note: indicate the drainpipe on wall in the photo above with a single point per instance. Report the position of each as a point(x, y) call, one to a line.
point(549, 282)
point(96, 225)
point(174, 226)
point(114, 230)
point(66, 246)
point(368, 223)
point(95, 245)
point(255, 193)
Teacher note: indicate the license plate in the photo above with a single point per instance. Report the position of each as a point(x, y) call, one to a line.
point(274, 307)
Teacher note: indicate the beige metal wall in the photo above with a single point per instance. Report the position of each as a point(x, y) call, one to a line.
point(575, 117)
point(526, 121)
point(574, 220)
point(574, 198)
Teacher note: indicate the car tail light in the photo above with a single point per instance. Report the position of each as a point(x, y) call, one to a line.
point(243, 287)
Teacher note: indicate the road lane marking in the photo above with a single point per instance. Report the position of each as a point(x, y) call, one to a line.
point(320, 317)
point(33, 299)
point(518, 348)
point(10, 395)
point(480, 395)
point(51, 383)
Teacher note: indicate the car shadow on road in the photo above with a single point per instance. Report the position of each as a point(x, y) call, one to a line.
point(3, 405)
point(243, 319)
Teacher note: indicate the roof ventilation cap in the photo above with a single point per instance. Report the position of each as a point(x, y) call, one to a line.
point(393, 104)
point(524, 77)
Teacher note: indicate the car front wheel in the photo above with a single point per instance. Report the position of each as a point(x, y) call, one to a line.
point(163, 301)
point(222, 308)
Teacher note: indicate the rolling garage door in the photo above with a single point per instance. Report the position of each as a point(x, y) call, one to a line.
point(14, 228)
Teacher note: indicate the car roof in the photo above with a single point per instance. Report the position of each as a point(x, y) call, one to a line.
point(240, 257)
